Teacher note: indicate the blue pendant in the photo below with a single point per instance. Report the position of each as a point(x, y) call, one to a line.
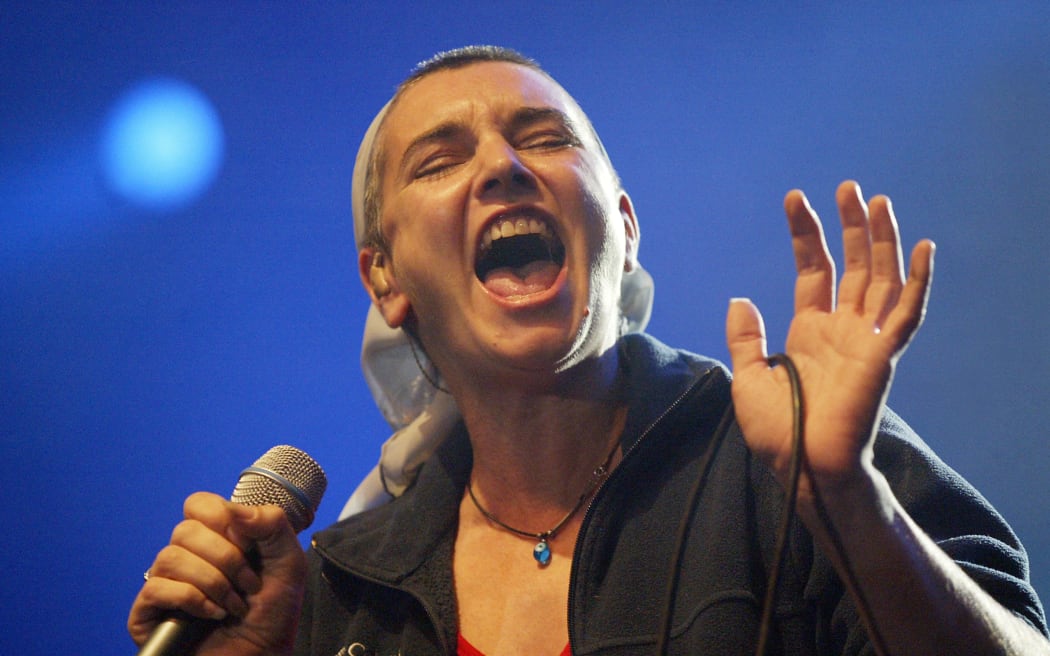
point(542, 553)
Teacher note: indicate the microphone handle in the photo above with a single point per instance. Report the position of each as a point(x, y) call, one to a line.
point(178, 635)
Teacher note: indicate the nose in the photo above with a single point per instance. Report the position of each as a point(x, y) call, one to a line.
point(502, 171)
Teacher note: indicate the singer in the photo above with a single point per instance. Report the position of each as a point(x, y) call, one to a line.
point(560, 482)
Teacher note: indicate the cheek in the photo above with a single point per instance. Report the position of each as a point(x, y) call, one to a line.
point(589, 186)
point(425, 244)
point(433, 214)
point(603, 249)
point(601, 222)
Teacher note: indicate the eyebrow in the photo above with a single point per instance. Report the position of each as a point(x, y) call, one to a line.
point(522, 118)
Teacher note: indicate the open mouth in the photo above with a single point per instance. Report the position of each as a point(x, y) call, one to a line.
point(519, 256)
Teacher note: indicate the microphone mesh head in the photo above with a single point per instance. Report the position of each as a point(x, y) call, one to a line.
point(286, 477)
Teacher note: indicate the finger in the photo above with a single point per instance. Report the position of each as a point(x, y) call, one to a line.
point(219, 552)
point(815, 285)
point(745, 335)
point(159, 597)
point(887, 265)
point(906, 317)
point(215, 513)
point(219, 516)
point(856, 243)
point(181, 564)
point(163, 595)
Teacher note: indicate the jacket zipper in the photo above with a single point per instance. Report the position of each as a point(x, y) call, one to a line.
point(587, 513)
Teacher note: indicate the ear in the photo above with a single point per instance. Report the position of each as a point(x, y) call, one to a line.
point(631, 231)
point(379, 281)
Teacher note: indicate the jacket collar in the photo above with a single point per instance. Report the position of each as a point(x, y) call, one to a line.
point(389, 543)
point(658, 375)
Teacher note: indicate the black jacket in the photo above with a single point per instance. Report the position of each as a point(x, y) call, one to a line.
point(381, 582)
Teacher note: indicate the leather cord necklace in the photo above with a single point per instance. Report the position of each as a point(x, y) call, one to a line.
point(542, 551)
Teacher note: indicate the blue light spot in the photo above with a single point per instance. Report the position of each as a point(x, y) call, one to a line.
point(163, 145)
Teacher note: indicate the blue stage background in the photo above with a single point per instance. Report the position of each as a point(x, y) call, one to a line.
point(146, 352)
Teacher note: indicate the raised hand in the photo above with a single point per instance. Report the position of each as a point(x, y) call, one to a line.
point(845, 349)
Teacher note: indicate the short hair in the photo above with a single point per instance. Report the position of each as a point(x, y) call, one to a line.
point(465, 56)
point(447, 60)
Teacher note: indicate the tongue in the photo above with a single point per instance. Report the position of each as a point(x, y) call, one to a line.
point(534, 277)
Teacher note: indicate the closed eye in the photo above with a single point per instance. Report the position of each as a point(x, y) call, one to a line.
point(547, 140)
point(436, 165)
point(436, 150)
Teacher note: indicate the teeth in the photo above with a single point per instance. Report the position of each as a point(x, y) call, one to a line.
point(510, 227)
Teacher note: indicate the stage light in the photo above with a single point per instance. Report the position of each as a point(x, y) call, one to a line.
point(163, 144)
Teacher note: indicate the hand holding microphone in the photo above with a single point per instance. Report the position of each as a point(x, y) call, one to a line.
point(232, 578)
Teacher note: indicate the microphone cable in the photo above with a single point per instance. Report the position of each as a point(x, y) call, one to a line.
point(788, 514)
point(787, 517)
point(683, 527)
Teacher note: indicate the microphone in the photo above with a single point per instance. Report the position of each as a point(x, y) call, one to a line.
point(284, 476)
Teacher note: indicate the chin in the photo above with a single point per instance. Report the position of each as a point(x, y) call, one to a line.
point(554, 349)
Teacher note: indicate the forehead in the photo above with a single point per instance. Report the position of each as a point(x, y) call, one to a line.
point(481, 91)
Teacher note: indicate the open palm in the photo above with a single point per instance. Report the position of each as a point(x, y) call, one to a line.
point(845, 349)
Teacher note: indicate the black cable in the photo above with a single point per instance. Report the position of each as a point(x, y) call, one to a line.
point(683, 527)
point(783, 530)
point(863, 608)
point(795, 469)
point(788, 514)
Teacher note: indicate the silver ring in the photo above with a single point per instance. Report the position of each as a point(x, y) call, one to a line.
point(145, 575)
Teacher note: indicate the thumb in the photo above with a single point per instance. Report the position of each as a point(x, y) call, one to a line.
point(270, 531)
point(274, 605)
point(745, 335)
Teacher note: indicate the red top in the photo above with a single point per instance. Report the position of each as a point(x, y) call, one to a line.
point(467, 649)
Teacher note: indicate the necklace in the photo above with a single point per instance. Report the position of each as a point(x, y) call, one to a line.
point(542, 551)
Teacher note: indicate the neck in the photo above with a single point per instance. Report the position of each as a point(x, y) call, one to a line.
point(535, 450)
